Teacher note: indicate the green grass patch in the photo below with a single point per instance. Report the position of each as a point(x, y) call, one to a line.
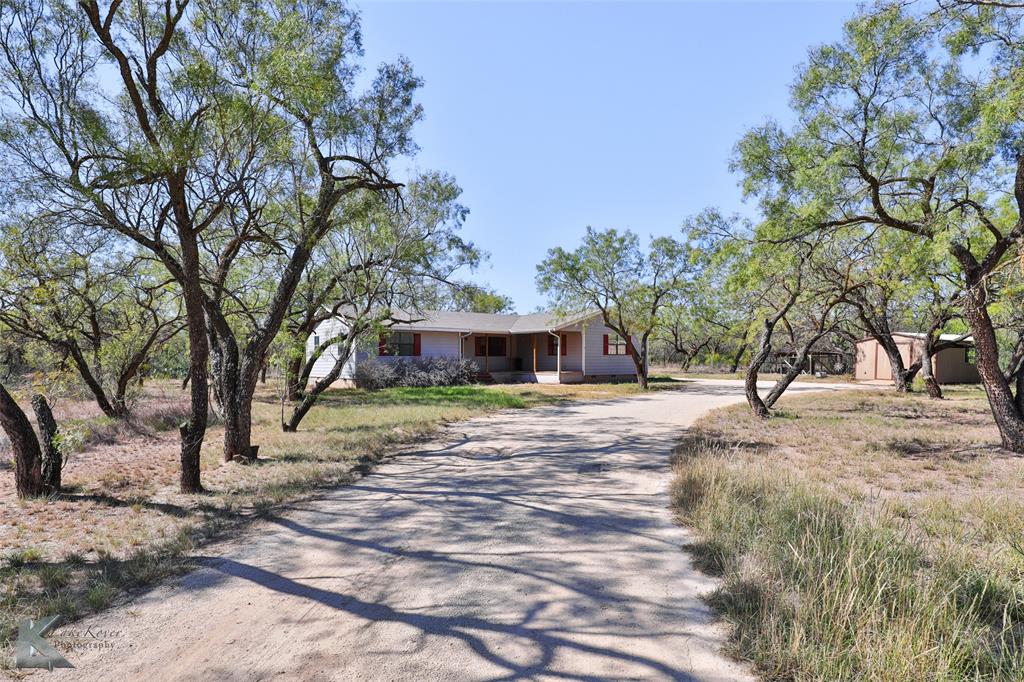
point(478, 397)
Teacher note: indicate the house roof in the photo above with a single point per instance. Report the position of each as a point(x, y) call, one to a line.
point(949, 338)
point(488, 323)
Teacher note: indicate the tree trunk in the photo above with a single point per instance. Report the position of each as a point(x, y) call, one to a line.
point(132, 371)
point(52, 459)
point(1020, 389)
point(310, 396)
point(236, 378)
point(639, 361)
point(238, 422)
point(930, 384)
point(106, 406)
point(1006, 411)
point(764, 351)
point(307, 369)
point(793, 372)
point(293, 382)
point(901, 376)
point(1016, 363)
point(28, 475)
point(641, 373)
point(737, 358)
point(238, 373)
point(1015, 371)
point(750, 380)
point(194, 430)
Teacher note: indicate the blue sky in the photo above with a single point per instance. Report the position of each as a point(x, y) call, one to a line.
point(556, 116)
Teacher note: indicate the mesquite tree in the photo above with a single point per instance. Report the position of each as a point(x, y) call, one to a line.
point(95, 304)
point(707, 317)
point(238, 131)
point(880, 308)
point(159, 168)
point(383, 264)
point(935, 306)
point(903, 286)
point(893, 134)
point(790, 283)
point(630, 286)
point(335, 142)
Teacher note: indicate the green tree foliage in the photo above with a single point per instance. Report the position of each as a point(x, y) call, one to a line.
point(629, 285)
point(474, 298)
point(384, 267)
point(895, 133)
point(799, 284)
point(94, 305)
point(221, 137)
point(707, 318)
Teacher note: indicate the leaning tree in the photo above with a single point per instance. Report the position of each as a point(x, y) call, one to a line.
point(385, 265)
point(789, 281)
point(418, 248)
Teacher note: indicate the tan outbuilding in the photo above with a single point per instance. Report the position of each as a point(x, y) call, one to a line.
point(951, 365)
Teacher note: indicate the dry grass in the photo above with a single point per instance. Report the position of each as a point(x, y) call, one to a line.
point(936, 463)
point(671, 371)
point(863, 535)
point(121, 523)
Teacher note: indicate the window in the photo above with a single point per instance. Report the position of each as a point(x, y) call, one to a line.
point(316, 341)
point(496, 346)
point(552, 350)
point(491, 346)
point(614, 345)
point(970, 355)
point(400, 343)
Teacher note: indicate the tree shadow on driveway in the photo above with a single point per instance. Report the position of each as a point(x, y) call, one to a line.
point(463, 627)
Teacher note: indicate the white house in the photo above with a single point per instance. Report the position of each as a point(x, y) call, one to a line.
point(537, 348)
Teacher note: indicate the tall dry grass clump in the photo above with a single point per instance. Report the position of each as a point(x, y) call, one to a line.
point(819, 588)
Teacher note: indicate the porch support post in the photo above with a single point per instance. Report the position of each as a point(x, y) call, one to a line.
point(487, 354)
point(533, 339)
point(558, 355)
point(583, 349)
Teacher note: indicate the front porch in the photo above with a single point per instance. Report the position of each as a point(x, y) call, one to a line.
point(536, 358)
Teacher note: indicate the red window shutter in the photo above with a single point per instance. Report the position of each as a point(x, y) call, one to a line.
point(565, 344)
point(416, 345)
point(382, 345)
point(551, 345)
point(606, 344)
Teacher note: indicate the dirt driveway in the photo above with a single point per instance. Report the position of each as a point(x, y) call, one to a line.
point(533, 544)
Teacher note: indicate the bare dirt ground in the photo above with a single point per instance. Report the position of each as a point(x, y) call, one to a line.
point(532, 544)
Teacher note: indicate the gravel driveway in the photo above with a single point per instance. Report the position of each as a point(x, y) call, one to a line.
point(529, 544)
